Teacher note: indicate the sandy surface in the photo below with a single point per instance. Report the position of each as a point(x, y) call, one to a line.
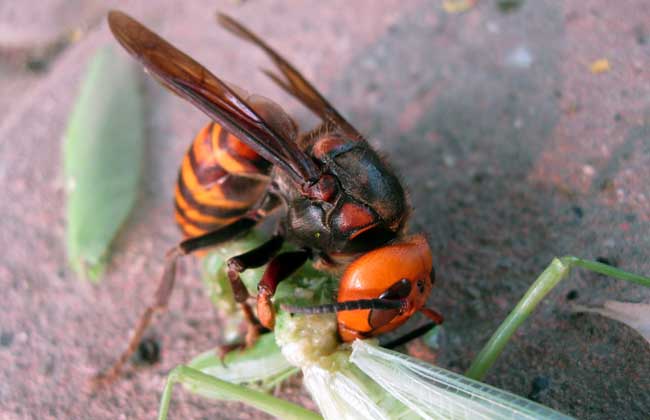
point(513, 150)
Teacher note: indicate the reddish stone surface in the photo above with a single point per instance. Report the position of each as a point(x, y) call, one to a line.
point(514, 151)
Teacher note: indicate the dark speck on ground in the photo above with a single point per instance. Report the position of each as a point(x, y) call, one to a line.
point(608, 261)
point(148, 352)
point(572, 295)
point(539, 385)
point(6, 338)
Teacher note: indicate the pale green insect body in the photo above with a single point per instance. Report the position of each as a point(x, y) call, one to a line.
point(365, 381)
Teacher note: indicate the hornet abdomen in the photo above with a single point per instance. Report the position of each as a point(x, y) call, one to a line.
point(220, 179)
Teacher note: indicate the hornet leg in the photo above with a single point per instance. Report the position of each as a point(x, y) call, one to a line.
point(166, 285)
point(254, 258)
point(278, 269)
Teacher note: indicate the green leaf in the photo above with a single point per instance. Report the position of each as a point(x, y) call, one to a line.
point(103, 148)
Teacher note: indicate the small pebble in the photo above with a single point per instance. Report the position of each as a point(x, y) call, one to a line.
point(518, 123)
point(449, 160)
point(588, 170)
point(520, 57)
point(493, 28)
point(600, 66)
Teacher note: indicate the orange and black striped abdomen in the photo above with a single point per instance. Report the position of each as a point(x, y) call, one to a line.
point(219, 180)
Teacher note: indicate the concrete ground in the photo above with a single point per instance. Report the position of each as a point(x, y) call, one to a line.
point(513, 148)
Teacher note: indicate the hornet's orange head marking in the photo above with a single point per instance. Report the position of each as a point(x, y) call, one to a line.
point(400, 271)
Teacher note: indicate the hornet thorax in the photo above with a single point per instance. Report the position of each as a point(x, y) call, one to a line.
point(363, 208)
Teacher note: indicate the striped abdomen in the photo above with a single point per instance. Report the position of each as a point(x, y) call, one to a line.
point(219, 180)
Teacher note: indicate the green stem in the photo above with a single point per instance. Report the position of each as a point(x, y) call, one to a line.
point(552, 275)
point(211, 387)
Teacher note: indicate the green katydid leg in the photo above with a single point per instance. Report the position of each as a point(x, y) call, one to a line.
point(550, 277)
point(210, 387)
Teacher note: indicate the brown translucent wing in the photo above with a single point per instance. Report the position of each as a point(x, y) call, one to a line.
point(190, 80)
point(293, 82)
